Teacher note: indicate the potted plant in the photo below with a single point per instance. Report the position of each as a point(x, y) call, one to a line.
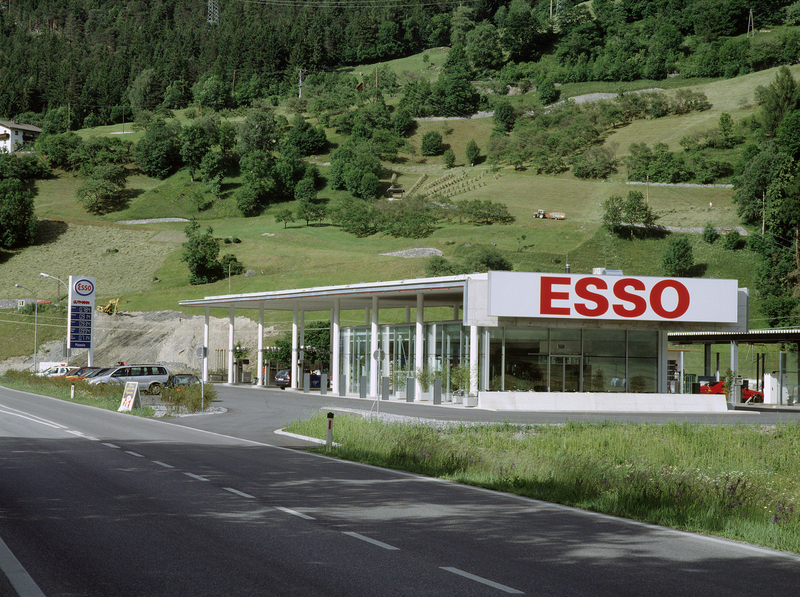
point(399, 380)
point(425, 377)
point(460, 378)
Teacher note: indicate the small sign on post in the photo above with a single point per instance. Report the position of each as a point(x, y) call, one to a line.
point(130, 398)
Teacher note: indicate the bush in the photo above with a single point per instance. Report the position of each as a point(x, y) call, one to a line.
point(710, 233)
point(678, 259)
point(432, 143)
point(189, 399)
point(732, 240)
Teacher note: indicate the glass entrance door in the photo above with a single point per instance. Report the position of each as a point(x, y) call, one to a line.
point(565, 374)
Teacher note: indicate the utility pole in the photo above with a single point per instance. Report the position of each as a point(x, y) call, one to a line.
point(213, 12)
point(300, 85)
point(750, 26)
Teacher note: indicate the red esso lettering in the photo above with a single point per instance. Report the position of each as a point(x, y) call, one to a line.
point(547, 295)
point(656, 296)
point(85, 287)
point(582, 290)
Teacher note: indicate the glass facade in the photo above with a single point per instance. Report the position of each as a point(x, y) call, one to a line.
point(519, 359)
point(572, 360)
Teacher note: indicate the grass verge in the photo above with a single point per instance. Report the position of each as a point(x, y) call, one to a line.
point(741, 482)
point(104, 396)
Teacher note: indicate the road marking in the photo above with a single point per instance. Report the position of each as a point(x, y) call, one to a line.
point(115, 446)
point(193, 476)
point(29, 417)
point(295, 513)
point(134, 454)
point(482, 580)
point(241, 493)
point(373, 541)
point(164, 464)
point(19, 578)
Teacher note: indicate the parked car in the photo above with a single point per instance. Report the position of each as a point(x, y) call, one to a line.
point(748, 396)
point(152, 377)
point(81, 372)
point(282, 379)
point(55, 371)
point(96, 372)
point(182, 379)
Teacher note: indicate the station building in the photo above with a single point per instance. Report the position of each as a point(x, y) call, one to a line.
point(505, 340)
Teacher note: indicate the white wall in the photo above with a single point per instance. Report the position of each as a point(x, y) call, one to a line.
point(601, 402)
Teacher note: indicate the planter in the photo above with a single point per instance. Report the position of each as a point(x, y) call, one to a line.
point(215, 377)
point(471, 400)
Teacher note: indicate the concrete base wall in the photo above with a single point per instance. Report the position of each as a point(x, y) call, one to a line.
point(601, 402)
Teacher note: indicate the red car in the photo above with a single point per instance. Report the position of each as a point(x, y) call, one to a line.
point(748, 396)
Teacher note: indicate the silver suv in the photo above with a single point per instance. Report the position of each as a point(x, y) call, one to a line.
point(151, 377)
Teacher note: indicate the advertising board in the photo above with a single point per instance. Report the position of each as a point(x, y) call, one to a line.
point(81, 311)
point(619, 298)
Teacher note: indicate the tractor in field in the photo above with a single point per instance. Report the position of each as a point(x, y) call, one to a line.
point(553, 215)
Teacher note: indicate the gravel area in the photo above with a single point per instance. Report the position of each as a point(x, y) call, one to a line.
point(415, 253)
point(152, 221)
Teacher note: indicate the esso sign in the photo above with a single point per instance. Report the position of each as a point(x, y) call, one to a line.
point(521, 294)
point(84, 287)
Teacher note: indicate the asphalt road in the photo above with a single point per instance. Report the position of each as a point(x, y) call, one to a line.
point(96, 503)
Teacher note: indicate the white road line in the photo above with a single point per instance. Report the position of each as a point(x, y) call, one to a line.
point(241, 493)
point(193, 476)
point(134, 454)
point(78, 433)
point(164, 464)
point(91, 439)
point(19, 578)
point(111, 445)
point(373, 541)
point(295, 513)
point(482, 580)
point(34, 418)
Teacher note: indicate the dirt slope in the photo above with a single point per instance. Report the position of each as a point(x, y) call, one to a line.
point(167, 337)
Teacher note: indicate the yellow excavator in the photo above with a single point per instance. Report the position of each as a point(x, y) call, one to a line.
point(111, 307)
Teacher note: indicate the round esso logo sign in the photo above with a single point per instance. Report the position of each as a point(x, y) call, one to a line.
point(84, 287)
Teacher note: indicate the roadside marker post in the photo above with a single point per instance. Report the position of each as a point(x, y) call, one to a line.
point(329, 434)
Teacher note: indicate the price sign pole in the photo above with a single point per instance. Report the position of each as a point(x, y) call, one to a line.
point(81, 314)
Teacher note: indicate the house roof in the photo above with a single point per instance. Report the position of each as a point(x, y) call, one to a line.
point(20, 127)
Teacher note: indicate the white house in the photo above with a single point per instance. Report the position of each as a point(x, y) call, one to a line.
point(14, 135)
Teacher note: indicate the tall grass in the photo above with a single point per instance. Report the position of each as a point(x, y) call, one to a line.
point(740, 482)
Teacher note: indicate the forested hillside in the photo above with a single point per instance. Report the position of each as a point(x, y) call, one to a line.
point(222, 136)
point(63, 61)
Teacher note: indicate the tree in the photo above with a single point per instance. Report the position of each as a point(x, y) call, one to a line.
point(432, 143)
point(100, 193)
point(285, 216)
point(504, 116)
point(483, 47)
point(145, 92)
point(212, 167)
point(201, 254)
point(449, 158)
point(260, 131)
point(547, 92)
point(159, 151)
point(473, 152)
point(211, 92)
point(18, 222)
point(778, 99)
point(195, 144)
point(678, 259)
point(304, 137)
